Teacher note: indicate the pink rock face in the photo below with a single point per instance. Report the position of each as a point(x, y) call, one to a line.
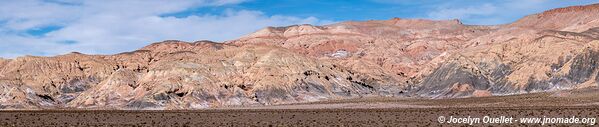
point(573, 19)
point(553, 50)
point(401, 46)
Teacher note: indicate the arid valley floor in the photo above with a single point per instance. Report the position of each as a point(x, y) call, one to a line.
point(357, 112)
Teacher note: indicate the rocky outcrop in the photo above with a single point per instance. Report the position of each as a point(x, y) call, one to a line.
point(448, 59)
point(451, 80)
point(573, 19)
point(546, 68)
point(181, 75)
point(396, 48)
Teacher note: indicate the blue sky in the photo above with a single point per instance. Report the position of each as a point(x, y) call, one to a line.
point(54, 27)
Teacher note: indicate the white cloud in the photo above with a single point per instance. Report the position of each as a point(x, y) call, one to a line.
point(465, 12)
point(495, 12)
point(106, 27)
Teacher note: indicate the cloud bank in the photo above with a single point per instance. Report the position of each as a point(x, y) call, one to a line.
point(495, 12)
point(481, 12)
point(53, 27)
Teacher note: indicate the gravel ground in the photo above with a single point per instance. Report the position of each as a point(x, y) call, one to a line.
point(354, 112)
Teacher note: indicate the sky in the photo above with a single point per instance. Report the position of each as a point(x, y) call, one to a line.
point(54, 27)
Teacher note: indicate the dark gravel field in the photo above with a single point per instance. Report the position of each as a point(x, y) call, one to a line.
point(353, 112)
point(286, 117)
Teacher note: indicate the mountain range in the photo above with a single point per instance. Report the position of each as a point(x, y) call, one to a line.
point(405, 58)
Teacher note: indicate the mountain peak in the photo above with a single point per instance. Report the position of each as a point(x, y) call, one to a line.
point(574, 18)
point(591, 7)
